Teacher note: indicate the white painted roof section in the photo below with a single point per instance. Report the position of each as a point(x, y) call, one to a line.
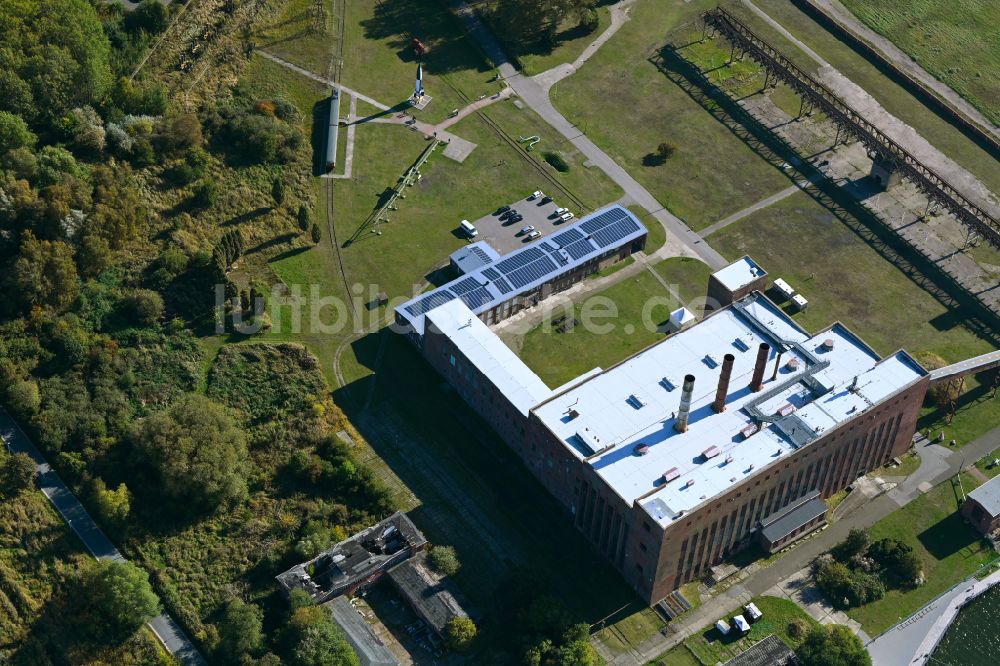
point(489, 354)
point(739, 274)
point(608, 414)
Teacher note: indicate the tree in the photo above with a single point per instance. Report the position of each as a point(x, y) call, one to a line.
point(146, 305)
point(278, 191)
point(304, 217)
point(833, 645)
point(898, 559)
point(241, 630)
point(118, 598)
point(113, 505)
point(205, 194)
point(183, 132)
point(459, 633)
point(443, 560)
point(14, 133)
point(855, 543)
point(197, 452)
point(44, 274)
point(316, 641)
point(149, 16)
point(23, 398)
point(663, 153)
point(17, 472)
point(317, 235)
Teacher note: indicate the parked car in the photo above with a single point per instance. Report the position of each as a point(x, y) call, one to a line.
point(560, 211)
point(501, 210)
point(546, 199)
point(510, 212)
point(534, 234)
point(535, 195)
point(566, 216)
point(517, 217)
point(526, 230)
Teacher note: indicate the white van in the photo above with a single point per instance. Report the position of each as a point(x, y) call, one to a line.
point(566, 216)
point(469, 229)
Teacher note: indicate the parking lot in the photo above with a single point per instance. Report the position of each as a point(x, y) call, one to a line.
point(505, 235)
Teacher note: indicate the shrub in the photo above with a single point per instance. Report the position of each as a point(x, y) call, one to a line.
point(459, 633)
point(556, 161)
point(443, 560)
point(658, 158)
point(855, 544)
point(304, 217)
point(317, 235)
point(147, 306)
point(833, 645)
point(17, 472)
point(119, 598)
point(205, 194)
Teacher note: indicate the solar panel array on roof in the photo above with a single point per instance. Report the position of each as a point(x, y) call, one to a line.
point(464, 285)
point(476, 298)
point(429, 302)
point(529, 266)
point(479, 252)
point(613, 233)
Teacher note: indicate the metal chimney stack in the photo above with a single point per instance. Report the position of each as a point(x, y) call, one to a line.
point(757, 383)
point(685, 409)
point(720, 394)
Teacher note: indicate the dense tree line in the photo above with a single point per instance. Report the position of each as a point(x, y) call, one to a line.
point(529, 25)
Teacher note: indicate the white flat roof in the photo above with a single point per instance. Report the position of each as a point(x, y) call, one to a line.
point(739, 274)
point(609, 415)
point(489, 354)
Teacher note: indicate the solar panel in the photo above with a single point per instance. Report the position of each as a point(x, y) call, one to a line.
point(614, 233)
point(503, 285)
point(429, 302)
point(520, 259)
point(462, 286)
point(605, 219)
point(567, 237)
point(579, 249)
point(476, 298)
point(491, 273)
point(479, 252)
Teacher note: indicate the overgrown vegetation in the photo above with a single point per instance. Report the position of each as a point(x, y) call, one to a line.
point(858, 571)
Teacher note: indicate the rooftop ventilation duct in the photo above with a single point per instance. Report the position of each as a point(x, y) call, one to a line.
point(685, 409)
point(720, 394)
point(763, 352)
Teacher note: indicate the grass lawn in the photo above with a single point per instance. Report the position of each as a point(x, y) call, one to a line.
point(845, 279)
point(954, 41)
point(713, 173)
point(711, 647)
point(977, 412)
point(896, 100)
point(632, 630)
point(678, 656)
point(909, 463)
point(641, 303)
point(657, 233)
point(570, 43)
point(949, 547)
point(986, 466)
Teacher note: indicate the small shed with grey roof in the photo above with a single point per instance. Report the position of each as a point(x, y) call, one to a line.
point(366, 644)
point(792, 522)
point(982, 507)
point(430, 595)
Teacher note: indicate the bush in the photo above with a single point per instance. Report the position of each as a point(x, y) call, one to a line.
point(117, 598)
point(304, 217)
point(317, 235)
point(443, 560)
point(663, 153)
point(205, 194)
point(23, 398)
point(17, 472)
point(147, 306)
point(833, 645)
point(856, 543)
point(459, 633)
point(556, 161)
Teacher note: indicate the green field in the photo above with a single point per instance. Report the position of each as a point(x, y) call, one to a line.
point(949, 547)
point(846, 279)
point(955, 41)
point(639, 304)
point(713, 172)
point(570, 43)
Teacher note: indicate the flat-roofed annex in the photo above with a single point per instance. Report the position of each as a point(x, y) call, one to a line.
point(822, 381)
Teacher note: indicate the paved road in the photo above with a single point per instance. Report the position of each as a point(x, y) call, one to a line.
point(536, 96)
point(938, 464)
point(835, 10)
point(69, 507)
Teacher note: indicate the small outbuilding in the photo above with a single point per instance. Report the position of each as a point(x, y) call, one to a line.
point(681, 318)
point(982, 507)
point(791, 522)
point(738, 279)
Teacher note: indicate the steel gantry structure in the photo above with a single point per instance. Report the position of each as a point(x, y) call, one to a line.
point(882, 148)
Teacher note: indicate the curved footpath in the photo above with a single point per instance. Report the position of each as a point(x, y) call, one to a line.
point(164, 627)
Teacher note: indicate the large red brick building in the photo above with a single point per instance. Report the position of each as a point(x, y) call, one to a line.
point(669, 461)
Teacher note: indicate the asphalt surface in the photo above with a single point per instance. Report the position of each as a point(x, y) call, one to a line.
point(69, 507)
